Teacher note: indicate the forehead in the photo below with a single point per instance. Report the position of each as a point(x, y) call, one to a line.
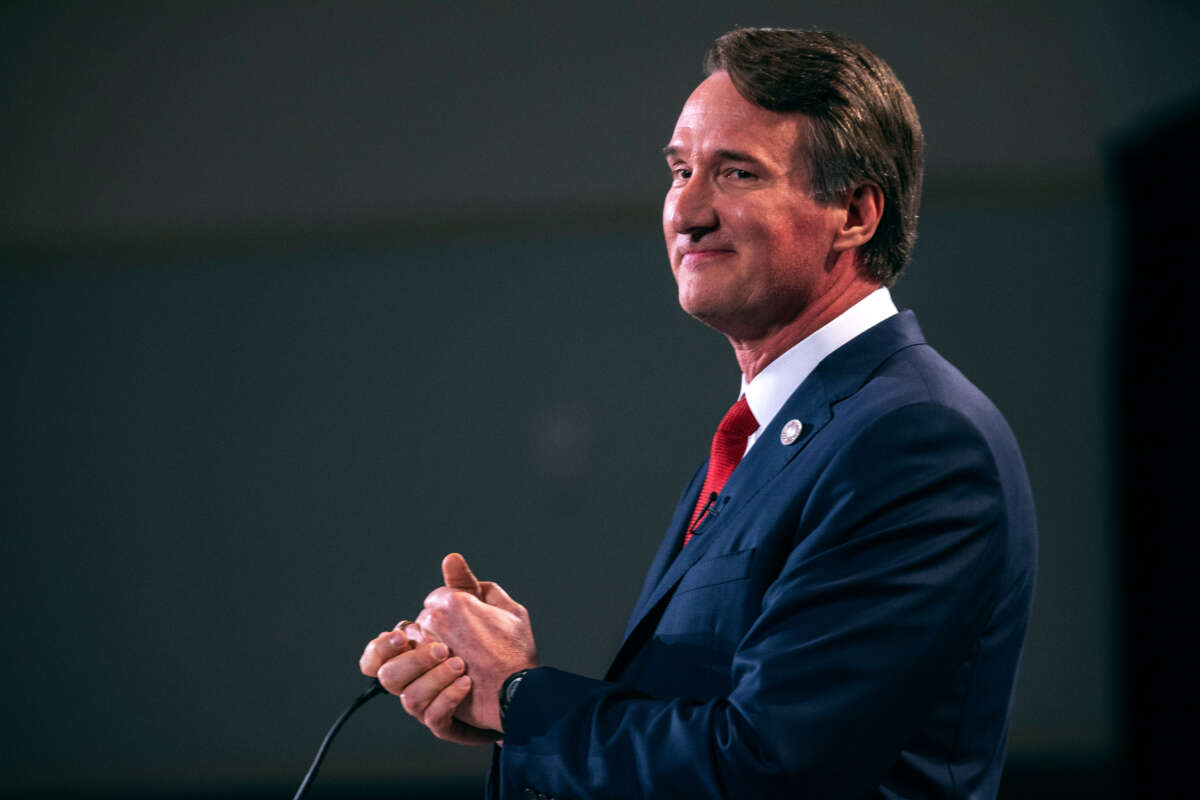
point(716, 118)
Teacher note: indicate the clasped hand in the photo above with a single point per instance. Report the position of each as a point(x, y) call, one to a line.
point(448, 666)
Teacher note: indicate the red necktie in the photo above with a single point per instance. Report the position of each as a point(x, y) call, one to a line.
point(728, 447)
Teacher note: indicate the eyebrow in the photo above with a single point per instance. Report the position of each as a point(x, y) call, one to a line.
point(724, 155)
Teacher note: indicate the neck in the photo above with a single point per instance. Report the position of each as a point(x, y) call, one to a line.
point(754, 354)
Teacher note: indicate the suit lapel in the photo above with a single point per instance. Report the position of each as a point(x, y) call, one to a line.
point(755, 470)
point(669, 547)
point(841, 374)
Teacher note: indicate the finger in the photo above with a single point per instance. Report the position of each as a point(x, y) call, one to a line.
point(439, 716)
point(427, 625)
point(401, 670)
point(418, 635)
point(493, 595)
point(458, 575)
point(386, 645)
point(418, 695)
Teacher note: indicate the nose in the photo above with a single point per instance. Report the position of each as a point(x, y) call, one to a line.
point(692, 212)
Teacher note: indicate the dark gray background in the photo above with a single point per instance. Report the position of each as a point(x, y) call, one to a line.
point(297, 298)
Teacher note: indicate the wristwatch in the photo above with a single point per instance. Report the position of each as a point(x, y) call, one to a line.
point(507, 690)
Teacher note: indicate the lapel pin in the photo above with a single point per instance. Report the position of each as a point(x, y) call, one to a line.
point(791, 432)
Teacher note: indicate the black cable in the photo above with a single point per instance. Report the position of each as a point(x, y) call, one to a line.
point(372, 690)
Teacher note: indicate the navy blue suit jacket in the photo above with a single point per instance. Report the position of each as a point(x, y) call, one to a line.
point(846, 624)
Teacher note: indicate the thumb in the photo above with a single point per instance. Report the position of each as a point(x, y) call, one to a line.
point(492, 594)
point(458, 575)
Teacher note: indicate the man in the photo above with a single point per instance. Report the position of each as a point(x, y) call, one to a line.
point(839, 604)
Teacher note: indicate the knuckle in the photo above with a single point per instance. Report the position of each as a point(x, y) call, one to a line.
point(430, 659)
point(433, 661)
point(371, 663)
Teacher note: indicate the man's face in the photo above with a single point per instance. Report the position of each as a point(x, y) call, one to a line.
point(749, 248)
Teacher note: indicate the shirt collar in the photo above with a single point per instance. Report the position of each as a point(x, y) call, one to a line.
point(771, 388)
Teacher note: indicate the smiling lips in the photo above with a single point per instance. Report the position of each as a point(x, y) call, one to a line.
point(693, 257)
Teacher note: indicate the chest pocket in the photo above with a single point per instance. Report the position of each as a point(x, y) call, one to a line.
point(717, 570)
point(709, 612)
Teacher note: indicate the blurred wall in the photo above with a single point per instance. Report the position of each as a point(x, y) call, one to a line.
point(296, 299)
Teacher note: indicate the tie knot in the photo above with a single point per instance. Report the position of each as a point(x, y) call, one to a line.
point(739, 419)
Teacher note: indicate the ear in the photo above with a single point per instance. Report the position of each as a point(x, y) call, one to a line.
point(864, 208)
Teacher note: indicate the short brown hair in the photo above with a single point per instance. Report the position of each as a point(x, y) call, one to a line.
point(862, 123)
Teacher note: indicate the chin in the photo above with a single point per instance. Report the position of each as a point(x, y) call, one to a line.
point(696, 294)
point(710, 313)
point(695, 305)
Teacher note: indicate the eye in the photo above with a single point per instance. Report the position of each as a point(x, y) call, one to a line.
point(680, 174)
point(741, 174)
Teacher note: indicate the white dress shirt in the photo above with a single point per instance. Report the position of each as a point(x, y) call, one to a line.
point(771, 388)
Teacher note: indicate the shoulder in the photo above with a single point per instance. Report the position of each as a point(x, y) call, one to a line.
point(915, 390)
point(917, 423)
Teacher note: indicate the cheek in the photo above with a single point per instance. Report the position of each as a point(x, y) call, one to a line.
point(669, 237)
point(797, 236)
point(755, 224)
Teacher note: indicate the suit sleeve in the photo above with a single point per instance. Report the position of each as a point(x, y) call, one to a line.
point(892, 574)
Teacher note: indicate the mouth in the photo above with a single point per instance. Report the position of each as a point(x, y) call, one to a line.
point(698, 257)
